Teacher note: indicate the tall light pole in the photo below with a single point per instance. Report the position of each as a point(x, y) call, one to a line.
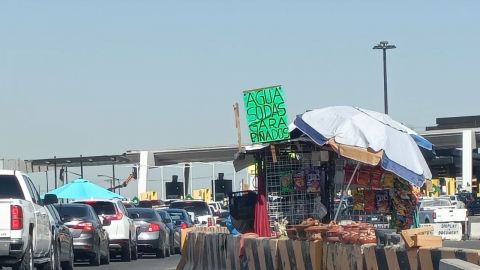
point(383, 45)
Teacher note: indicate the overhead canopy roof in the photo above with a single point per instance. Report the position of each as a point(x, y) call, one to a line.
point(200, 154)
point(161, 157)
point(38, 165)
point(448, 138)
point(442, 139)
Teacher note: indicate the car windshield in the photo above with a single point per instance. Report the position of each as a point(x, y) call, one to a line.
point(197, 207)
point(101, 208)
point(10, 188)
point(68, 212)
point(144, 214)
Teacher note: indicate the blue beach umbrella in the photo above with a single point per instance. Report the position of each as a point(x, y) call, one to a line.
point(83, 189)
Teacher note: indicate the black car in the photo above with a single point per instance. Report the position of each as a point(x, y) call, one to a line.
point(63, 241)
point(174, 231)
point(90, 240)
point(474, 208)
point(466, 197)
point(152, 234)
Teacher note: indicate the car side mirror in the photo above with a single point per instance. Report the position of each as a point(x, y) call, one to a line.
point(106, 222)
point(50, 199)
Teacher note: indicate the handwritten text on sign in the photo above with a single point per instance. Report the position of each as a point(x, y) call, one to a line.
point(447, 230)
point(266, 114)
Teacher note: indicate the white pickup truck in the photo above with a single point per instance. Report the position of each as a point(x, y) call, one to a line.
point(25, 229)
point(440, 210)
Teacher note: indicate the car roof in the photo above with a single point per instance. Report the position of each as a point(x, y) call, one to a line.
point(72, 205)
point(175, 210)
point(189, 201)
point(98, 200)
point(140, 209)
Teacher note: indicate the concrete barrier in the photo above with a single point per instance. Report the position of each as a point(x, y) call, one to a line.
point(473, 226)
point(338, 256)
point(268, 254)
point(456, 264)
point(205, 249)
point(341, 256)
point(430, 257)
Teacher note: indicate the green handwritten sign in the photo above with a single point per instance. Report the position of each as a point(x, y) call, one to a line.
point(266, 114)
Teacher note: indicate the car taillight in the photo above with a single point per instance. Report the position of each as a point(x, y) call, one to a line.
point(210, 222)
point(87, 226)
point(154, 227)
point(184, 225)
point(117, 216)
point(16, 217)
point(434, 215)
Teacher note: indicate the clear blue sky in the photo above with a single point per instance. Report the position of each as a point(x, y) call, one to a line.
point(101, 77)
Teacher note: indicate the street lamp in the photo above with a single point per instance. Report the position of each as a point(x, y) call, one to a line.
point(383, 45)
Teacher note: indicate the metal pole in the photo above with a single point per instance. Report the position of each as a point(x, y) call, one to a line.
point(234, 180)
point(384, 46)
point(66, 174)
point(213, 182)
point(342, 197)
point(81, 166)
point(46, 176)
point(385, 95)
point(55, 168)
point(191, 179)
point(112, 183)
point(164, 195)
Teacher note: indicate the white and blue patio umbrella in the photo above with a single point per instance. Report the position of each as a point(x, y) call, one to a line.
point(368, 137)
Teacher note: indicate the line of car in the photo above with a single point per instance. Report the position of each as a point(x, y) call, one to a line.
point(43, 233)
point(96, 230)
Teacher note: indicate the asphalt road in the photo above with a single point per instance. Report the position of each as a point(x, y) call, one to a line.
point(145, 263)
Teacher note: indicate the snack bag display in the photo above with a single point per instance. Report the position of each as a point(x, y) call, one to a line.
point(357, 197)
point(299, 181)
point(286, 184)
point(376, 178)
point(364, 176)
point(369, 200)
point(388, 181)
point(382, 199)
point(404, 203)
point(313, 181)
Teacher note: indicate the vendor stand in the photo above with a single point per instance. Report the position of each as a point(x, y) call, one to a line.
point(343, 150)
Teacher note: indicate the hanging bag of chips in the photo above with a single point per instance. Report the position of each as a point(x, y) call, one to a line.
point(357, 197)
point(369, 199)
point(364, 176)
point(382, 200)
point(376, 177)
